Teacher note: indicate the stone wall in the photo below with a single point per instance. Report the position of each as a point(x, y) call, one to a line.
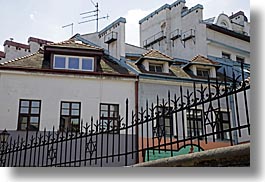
point(234, 156)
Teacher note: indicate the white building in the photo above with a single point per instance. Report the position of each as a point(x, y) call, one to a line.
point(60, 86)
point(13, 50)
point(181, 32)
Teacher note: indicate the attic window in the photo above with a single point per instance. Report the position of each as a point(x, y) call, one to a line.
point(203, 72)
point(73, 63)
point(156, 67)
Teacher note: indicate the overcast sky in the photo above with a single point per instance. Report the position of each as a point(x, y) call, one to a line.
point(44, 19)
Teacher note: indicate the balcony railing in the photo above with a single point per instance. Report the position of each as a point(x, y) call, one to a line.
point(154, 39)
point(188, 35)
point(111, 37)
point(175, 34)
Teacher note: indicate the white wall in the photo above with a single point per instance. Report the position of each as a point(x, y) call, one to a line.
point(116, 48)
point(228, 44)
point(52, 89)
point(174, 20)
point(13, 53)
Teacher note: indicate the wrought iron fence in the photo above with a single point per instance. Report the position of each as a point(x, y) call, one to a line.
point(204, 117)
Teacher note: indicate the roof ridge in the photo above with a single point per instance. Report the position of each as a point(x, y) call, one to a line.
point(75, 42)
point(203, 57)
point(154, 50)
point(17, 59)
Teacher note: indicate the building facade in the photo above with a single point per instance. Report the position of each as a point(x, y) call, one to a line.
point(62, 85)
point(181, 32)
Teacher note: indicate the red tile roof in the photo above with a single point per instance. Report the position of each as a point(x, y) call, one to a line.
point(203, 60)
point(16, 44)
point(37, 40)
point(2, 54)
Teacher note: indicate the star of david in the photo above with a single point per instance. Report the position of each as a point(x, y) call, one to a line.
point(52, 153)
point(207, 116)
point(158, 131)
point(91, 146)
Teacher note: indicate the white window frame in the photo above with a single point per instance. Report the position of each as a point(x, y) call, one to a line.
point(202, 70)
point(186, 119)
point(240, 57)
point(157, 65)
point(67, 62)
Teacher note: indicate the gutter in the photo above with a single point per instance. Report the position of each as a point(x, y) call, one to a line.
point(66, 72)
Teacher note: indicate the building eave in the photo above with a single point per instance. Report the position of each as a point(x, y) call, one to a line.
point(66, 72)
point(228, 32)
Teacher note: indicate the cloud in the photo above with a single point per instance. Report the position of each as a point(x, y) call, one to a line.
point(32, 17)
point(132, 26)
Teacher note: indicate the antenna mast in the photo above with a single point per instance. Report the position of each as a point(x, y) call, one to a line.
point(94, 13)
point(72, 25)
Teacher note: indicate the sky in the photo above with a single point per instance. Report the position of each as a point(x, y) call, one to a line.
point(45, 19)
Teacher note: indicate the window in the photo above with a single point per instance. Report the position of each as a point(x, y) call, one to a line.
point(222, 120)
point(223, 24)
point(70, 116)
point(156, 67)
point(29, 115)
point(194, 122)
point(73, 63)
point(59, 62)
point(226, 55)
point(203, 72)
point(164, 125)
point(87, 64)
point(240, 59)
point(109, 117)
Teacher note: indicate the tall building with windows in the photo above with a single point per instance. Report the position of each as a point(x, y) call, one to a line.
point(182, 32)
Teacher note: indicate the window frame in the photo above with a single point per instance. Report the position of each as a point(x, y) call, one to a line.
point(109, 117)
point(28, 115)
point(62, 127)
point(203, 70)
point(226, 55)
point(80, 62)
point(160, 122)
point(240, 59)
point(220, 125)
point(192, 129)
point(155, 65)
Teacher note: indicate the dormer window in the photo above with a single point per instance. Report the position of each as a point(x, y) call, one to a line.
point(156, 67)
point(203, 72)
point(73, 63)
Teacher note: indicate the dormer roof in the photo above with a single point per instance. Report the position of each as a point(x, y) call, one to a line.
point(201, 60)
point(73, 44)
point(154, 55)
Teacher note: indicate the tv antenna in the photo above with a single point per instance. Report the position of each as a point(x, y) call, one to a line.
point(72, 25)
point(91, 14)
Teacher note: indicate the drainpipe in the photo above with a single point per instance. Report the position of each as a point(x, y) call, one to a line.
point(136, 91)
point(232, 104)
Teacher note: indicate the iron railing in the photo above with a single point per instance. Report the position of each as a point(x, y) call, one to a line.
point(200, 118)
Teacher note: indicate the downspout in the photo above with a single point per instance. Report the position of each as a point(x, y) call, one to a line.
point(232, 105)
point(136, 92)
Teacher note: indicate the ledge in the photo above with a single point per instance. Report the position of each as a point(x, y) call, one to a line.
point(234, 156)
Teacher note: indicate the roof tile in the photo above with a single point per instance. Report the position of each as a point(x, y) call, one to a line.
point(74, 44)
point(156, 54)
